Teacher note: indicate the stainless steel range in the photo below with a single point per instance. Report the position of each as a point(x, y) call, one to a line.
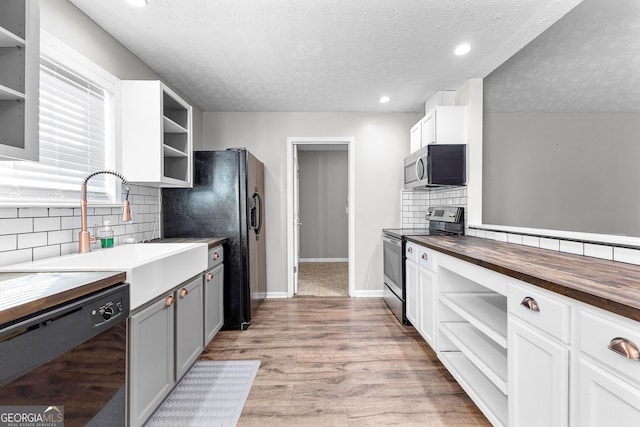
point(447, 220)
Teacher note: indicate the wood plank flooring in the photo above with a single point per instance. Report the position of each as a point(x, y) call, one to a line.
point(341, 362)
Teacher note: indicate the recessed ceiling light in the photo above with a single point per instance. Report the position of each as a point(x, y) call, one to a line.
point(462, 49)
point(137, 3)
point(384, 99)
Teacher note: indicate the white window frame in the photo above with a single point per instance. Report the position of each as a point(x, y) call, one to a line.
point(59, 52)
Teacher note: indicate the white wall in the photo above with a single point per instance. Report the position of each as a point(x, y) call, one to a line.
point(381, 143)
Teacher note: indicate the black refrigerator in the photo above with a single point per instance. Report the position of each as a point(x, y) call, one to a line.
point(227, 200)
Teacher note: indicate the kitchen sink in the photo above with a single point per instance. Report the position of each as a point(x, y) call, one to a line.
point(151, 269)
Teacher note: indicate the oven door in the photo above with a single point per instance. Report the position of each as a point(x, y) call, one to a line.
point(393, 253)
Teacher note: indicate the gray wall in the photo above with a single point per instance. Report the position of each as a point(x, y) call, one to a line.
point(381, 143)
point(561, 126)
point(323, 201)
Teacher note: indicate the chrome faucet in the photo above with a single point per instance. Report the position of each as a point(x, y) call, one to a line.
point(85, 238)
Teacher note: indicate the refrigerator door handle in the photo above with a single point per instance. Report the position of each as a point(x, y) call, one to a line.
point(257, 222)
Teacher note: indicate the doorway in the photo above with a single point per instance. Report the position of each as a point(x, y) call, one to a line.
point(320, 216)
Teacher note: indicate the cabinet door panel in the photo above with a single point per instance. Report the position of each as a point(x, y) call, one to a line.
point(427, 311)
point(189, 325)
point(411, 281)
point(538, 378)
point(213, 303)
point(151, 368)
point(604, 399)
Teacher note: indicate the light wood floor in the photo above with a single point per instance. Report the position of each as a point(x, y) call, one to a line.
point(341, 362)
point(323, 279)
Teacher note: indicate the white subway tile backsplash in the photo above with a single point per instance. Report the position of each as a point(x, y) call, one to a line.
point(70, 222)
point(70, 248)
point(8, 212)
point(514, 238)
point(33, 212)
point(31, 240)
point(551, 244)
point(16, 225)
point(46, 224)
point(500, 237)
point(491, 235)
point(46, 252)
point(61, 212)
point(15, 257)
point(531, 241)
point(598, 251)
point(631, 256)
point(62, 236)
point(8, 243)
point(571, 247)
point(102, 211)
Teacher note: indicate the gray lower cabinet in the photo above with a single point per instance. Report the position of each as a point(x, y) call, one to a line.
point(213, 302)
point(165, 338)
point(189, 325)
point(151, 358)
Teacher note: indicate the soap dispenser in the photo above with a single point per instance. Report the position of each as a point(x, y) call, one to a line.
point(106, 235)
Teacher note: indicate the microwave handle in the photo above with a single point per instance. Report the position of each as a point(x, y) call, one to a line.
point(420, 177)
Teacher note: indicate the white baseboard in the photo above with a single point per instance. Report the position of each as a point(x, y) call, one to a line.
point(324, 259)
point(276, 295)
point(370, 294)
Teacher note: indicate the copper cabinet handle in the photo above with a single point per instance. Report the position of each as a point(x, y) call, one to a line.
point(183, 292)
point(410, 249)
point(168, 301)
point(216, 255)
point(624, 348)
point(530, 304)
point(209, 276)
point(425, 256)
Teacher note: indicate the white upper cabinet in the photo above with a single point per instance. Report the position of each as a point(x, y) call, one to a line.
point(157, 135)
point(445, 125)
point(19, 79)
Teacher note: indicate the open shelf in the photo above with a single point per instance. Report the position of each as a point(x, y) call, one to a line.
point(489, 399)
point(9, 39)
point(484, 353)
point(169, 151)
point(8, 94)
point(486, 311)
point(172, 127)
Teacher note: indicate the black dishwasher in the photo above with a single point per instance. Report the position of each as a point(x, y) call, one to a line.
point(70, 359)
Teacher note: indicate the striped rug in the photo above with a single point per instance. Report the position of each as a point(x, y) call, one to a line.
point(212, 393)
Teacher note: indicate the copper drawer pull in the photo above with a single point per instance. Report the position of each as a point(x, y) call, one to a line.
point(624, 348)
point(168, 301)
point(530, 304)
point(216, 255)
point(425, 256)
point(410, 249)
point(209, 276)
point(183, 292)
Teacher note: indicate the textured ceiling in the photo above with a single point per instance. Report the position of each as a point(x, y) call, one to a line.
point(588, 61)
point(321, 55)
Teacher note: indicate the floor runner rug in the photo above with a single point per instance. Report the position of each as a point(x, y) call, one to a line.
point(212, 393)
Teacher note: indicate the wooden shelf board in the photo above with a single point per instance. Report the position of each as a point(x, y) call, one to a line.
point(172, 127)
point(486, 311)
point(491, 401)
point(8, 39)
point(484, 353)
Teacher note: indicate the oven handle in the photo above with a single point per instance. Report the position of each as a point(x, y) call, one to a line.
point(392, 241)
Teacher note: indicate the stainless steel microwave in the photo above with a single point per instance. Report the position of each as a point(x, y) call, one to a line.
point(436, 165)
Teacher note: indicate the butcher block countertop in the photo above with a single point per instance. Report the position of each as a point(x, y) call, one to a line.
point(23, 294)
point(211, 241)
point(611, 286)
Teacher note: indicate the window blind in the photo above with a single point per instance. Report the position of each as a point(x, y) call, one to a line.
point(73, 137)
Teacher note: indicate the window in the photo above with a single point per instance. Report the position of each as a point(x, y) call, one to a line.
point(76, 134)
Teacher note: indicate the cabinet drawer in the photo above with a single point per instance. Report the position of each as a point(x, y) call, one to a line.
point(215, 257)
point(426, 258)
point(411, 251)
point(546, 312)
point(596, 332)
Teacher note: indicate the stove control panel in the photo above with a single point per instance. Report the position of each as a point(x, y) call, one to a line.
point(444, 213)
